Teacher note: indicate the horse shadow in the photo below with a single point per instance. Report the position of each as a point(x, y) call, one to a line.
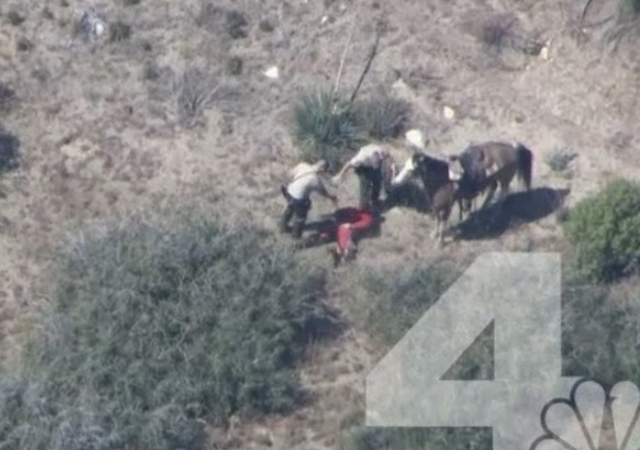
point(408, 195)
point(517, 209)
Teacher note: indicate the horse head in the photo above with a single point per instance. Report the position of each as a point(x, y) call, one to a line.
point(410, 168)
point(456, 169)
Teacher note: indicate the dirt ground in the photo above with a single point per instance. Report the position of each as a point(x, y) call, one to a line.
point(100, 130)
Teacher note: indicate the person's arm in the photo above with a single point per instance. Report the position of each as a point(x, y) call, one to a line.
point(322, 190)
point(340, 174)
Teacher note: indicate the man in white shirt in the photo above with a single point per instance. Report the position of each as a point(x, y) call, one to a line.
point(306, 179)
point(368, 164)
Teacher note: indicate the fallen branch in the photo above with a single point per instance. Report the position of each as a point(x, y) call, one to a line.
point(344, 57)
point(366, 68)
point(584, 11)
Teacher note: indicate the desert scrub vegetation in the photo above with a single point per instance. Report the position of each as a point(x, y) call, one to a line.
point(382, 116)
point(389, 304)
point(9, 151)
point(326, 125)
point(8, 98)
point(559, 160)
point(156, 328)
point(600, 326)
point(603, 231)
point(197, 90)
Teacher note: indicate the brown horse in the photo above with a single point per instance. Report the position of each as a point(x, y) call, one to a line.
point(485, 166)
point(440, 184)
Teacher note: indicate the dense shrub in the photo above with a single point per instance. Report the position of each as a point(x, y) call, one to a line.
point(603, 230)
point(156, 326)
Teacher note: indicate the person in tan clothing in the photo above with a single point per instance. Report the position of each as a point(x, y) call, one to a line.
point(305, 180)
point(368, 164)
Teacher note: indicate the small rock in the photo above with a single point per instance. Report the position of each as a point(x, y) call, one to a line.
point(544, 53)
point(272, 72)
point(324, 20)
point(449, 113)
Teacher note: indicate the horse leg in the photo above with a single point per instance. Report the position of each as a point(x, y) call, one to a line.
point(492, 189)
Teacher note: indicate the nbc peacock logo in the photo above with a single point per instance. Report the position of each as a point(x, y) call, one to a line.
point(594, 417)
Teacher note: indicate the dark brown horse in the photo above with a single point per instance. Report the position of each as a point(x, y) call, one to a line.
point(440, 184)
point(485, 166)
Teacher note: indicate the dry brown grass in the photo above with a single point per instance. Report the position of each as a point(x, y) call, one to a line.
point(103, 131)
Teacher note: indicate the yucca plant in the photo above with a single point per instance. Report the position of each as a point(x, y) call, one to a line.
point(325, 126)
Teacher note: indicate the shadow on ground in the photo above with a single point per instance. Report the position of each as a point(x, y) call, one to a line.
point(409, 195)
point(517, 209)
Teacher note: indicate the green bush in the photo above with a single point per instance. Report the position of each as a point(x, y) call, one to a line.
point(324, 127)
point(328, 126)
point(603, 231)
point(157, 326)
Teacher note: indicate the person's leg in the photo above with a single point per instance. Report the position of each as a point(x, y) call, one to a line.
point(285, 218)
point(376, 186)
point(302, 208)
point(364, 174)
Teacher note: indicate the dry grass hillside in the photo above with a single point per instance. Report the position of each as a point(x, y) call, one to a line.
point(171, 105)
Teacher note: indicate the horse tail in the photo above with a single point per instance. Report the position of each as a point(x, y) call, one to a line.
point(525, 164)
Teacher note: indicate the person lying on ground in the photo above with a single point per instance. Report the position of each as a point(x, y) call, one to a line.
point(345, 227)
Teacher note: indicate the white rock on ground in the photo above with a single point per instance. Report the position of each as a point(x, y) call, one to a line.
point(449, 113)
point(272, 72)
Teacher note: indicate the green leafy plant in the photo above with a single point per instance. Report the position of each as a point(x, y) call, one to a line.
point(325, 127)
point(603, 230)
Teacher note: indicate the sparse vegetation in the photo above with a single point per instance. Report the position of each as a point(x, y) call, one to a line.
point(559, 160)
point(603, 230)
point(633, 6)
point(497, 32)
point(7, 98)
point(599, 332)
point(15, 18)
point(194, 94)
point(234, 65)
point(156, 327)
point(236, 24)
point(383, 117)
point(9, 152)
point(119, 31)
point(395, 301)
